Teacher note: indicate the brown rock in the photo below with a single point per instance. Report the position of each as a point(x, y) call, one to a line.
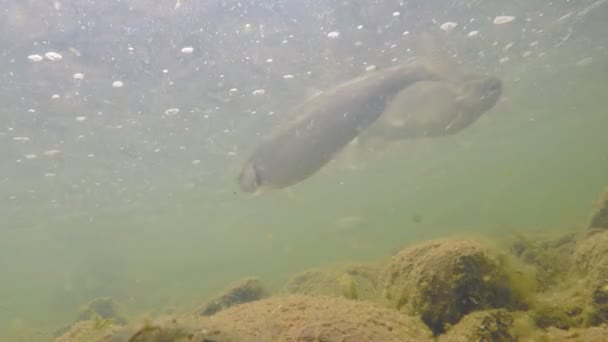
point(304, 318)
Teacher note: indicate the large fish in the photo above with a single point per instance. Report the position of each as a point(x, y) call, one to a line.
point(324, 125)
point(434, 108)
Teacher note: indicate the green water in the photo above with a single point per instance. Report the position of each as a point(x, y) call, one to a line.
point(507, 171)
point(534, 163)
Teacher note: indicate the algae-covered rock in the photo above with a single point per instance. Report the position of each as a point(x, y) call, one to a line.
point(444, 280)
point(105, 308)
point(183, 329)
point(169, 329)
point(561, 316)
point(243, 291)
point(481, 326)
point(279, 319)
point(591, 257)
point(591, 251)
point(599, 334)
point(599, 215)
point(550, 255)
point(100, 312)
point(83, 331)
point(315, 283)
point(307, 318)
point(357, 282)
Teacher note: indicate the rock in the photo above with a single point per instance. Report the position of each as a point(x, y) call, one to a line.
point(307, 318)
point(551, 256)
point(183, 329)
point(283, 318)
point(557, 316)
point(315, 283)
point(104, 308)
point(492, 325)
point(101, 312)
point(169, 329)
point(244, 291)
point(590, 252)
point(443, 280)
point(591, 257)
point(599, 333)
point(357, 282)
point(599, 216)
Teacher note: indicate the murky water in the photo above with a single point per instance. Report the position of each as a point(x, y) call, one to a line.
point(123, 126)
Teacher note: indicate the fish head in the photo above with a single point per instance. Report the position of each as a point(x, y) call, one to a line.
point(481, 92)
point(476, 95)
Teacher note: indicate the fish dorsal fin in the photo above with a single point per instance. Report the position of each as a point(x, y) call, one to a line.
point(434, 55)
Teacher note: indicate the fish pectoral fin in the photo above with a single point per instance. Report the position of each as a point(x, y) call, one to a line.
point(291, 195)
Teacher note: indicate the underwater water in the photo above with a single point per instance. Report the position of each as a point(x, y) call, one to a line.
point(119, 150)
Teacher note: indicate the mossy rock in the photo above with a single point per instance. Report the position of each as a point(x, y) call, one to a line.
point(481, 326)
point(84, 331)
point(104, 308)
point(561, 317)
point(599, 215)
point(591, 257)
point(590, 334)
point(590, 252)
point(356, 282)
point(167, 329)
point(243, 291)
point(444, 280)
point(101, 312)
point(551, 256)
point(319, 318)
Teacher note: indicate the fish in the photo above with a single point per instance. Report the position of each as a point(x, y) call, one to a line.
point(434, 108)
point(324, 125)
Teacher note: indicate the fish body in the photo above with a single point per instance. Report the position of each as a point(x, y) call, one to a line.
point(436, 108)
point(323, 126)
